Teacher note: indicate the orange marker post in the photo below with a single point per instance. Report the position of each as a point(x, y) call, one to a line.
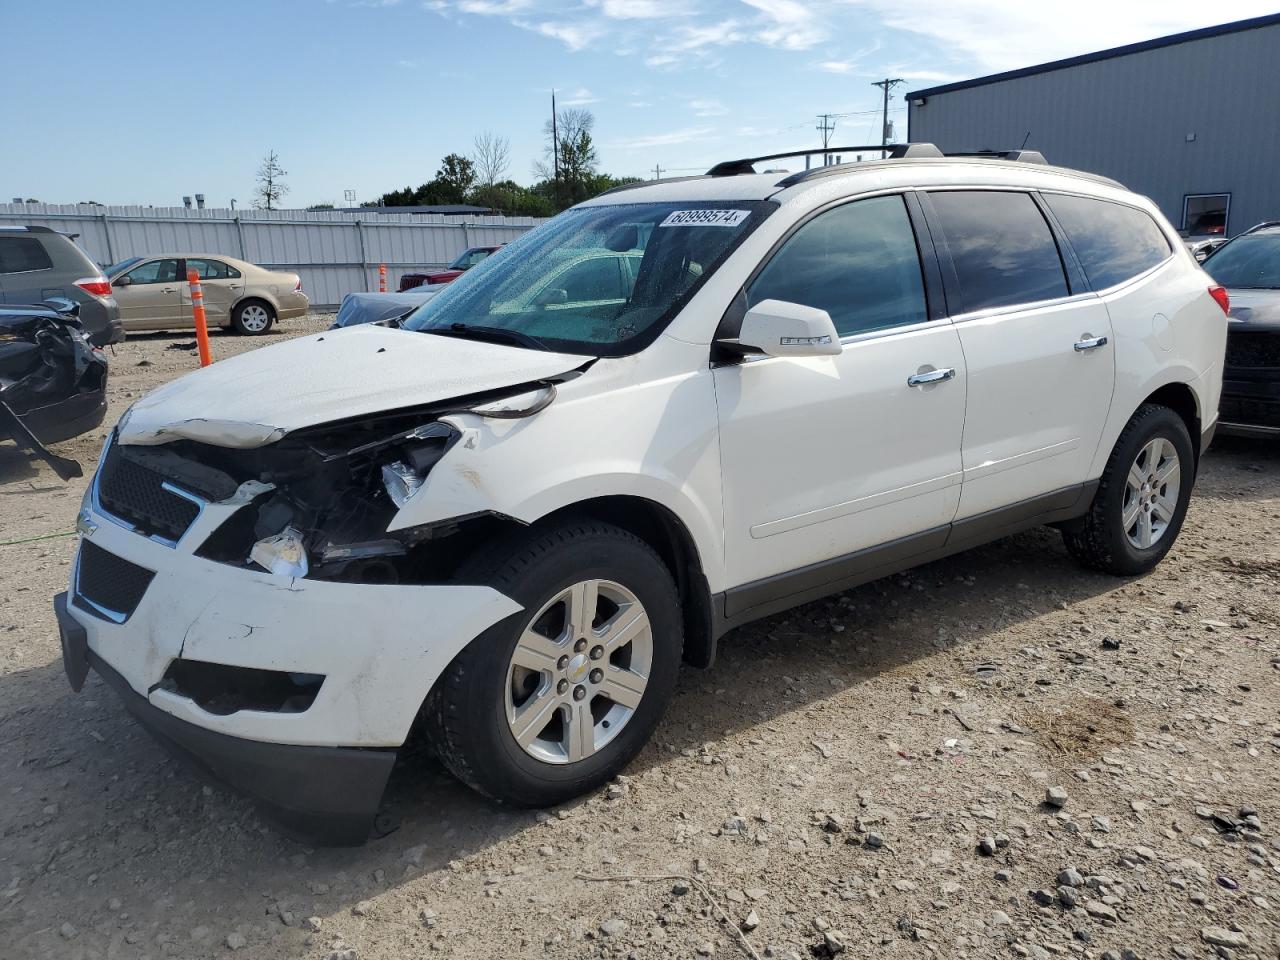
point(202, 324)
point(382, 278)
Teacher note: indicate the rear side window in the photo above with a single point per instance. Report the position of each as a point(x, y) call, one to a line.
point(213, 269)
point(22, 254)
point(1114, 243)
point(1003, 250)
point(858, 262)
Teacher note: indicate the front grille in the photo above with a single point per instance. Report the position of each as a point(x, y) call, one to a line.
point(134, 492)
point(1253, 349)
point(107, 585)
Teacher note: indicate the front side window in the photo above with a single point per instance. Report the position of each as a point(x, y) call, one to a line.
point(598, 280)
point(1248, 262)
point(1114, 242)
point(22, 255)
point(155, 271)
point(1205, 214)
point(858, 262)
point(1003, 250)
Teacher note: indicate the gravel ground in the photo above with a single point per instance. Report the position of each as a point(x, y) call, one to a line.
point(997, 755)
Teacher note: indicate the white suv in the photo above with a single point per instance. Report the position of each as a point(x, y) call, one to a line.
point(671, 410)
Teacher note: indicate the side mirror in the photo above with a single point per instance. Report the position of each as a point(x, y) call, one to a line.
point(124, 281)
point(551, 296)
point(777, 328)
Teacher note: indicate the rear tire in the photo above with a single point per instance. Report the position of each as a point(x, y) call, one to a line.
point(1142, 497)
point(527, 714)
point(252, 318)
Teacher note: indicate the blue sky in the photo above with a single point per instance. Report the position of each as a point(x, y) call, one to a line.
point(143, 102)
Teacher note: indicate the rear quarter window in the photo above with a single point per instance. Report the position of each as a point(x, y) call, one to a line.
point(23, 254)
point(1114, 242)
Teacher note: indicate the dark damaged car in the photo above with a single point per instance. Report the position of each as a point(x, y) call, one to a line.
point(1249, 268)
point(53, 381)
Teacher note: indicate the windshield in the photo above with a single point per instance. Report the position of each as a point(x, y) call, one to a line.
point(599, 280)
point(122, 265)
point(1251, 261)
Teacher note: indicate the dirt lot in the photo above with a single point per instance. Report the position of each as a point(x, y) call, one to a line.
point(866, 774)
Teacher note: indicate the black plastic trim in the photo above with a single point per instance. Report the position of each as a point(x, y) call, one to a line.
point(740, 605)
point(326, 795)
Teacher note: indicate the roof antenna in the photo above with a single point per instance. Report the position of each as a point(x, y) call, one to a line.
point(1025, 139)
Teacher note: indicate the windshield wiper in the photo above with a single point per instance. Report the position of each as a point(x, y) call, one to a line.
point(497, 334)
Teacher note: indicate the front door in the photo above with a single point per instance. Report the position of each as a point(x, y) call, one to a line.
point(150, 300)
point(1041, 366)
point(825, 457)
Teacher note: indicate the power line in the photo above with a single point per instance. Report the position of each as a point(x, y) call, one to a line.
point(887, 85)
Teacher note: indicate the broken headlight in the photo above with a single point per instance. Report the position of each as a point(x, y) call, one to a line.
point(401, 481)
point(285, 554)
point(419, 452)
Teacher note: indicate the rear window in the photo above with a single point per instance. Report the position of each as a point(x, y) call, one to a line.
point(23, 254)
point(1003, 250)
point(1115, 243)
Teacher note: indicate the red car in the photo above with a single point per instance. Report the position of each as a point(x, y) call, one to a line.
point(464, 262)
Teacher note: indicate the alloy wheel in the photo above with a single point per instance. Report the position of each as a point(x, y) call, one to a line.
point(579, 671)
point(1151, 493)
point(255, 318)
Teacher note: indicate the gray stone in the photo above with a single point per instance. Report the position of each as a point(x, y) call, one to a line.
point(613, 927)
point(1070, 877)
point(236, 940)
point(1056, 797)
point(1222, 937)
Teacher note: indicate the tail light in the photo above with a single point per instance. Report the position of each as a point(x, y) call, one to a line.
point(1220, 295)
point(297, 287)
point(98, 286)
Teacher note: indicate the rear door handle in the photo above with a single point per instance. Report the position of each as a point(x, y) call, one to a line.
point(1093, 344)
point(933, 376)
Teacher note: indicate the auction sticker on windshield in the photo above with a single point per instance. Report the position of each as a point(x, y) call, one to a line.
point(705, 218)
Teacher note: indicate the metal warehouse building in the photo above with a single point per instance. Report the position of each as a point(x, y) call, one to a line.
point(1191, 120)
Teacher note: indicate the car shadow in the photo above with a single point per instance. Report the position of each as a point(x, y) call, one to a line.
point(93, 795)
point(1241, 468)
point(17, 464)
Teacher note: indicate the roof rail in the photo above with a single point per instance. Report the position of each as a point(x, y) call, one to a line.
point(647, 183)
point(1018, 156)
point(897, 151)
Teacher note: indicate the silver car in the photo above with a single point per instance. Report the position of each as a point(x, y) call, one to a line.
point(153, 293)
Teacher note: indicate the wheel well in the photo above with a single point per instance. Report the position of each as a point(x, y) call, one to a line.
point(662, 530)
point(1181, 399)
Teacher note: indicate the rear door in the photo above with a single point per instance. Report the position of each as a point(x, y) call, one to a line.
point(151, 299)
point(220, 283)
point(1037, 344)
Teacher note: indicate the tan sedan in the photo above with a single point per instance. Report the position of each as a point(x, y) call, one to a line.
point(153, 293)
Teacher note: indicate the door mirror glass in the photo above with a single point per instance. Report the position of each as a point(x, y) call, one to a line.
point(777, 328)
point(123, 281)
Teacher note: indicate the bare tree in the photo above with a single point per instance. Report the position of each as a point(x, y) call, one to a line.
point(569, 143)
point(492, 157)
point(271, 187)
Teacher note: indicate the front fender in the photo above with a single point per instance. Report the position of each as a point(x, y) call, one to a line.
point(655, 440)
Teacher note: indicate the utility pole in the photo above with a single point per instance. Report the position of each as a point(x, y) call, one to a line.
point(826, 127)
point(657, 172)
point(555, 146)
point(887, 85)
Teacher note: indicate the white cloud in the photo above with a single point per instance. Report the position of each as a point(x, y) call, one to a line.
point(575, 36)
point(578, 98)
point(705, 107)
point(836, 66)
point(670, 138)
point(788, 24)
point(1006, 34)
point(493, 8)
point(642, 9)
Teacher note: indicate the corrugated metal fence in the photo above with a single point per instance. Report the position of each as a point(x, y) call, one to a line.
point(335, 252)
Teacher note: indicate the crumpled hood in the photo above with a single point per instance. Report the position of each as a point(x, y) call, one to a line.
point(257, 397)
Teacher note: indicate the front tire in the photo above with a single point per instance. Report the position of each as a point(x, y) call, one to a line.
point(1142, 497)
point(252, 318)
point(556, 700)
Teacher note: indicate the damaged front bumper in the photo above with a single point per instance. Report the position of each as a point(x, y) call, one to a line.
point(366, 656)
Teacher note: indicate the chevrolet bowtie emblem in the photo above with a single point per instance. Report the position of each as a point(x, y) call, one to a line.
point(85, 526)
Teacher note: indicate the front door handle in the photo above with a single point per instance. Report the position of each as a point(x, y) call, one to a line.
point(168, 290)
point(1091, 344)
point(933, 376)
